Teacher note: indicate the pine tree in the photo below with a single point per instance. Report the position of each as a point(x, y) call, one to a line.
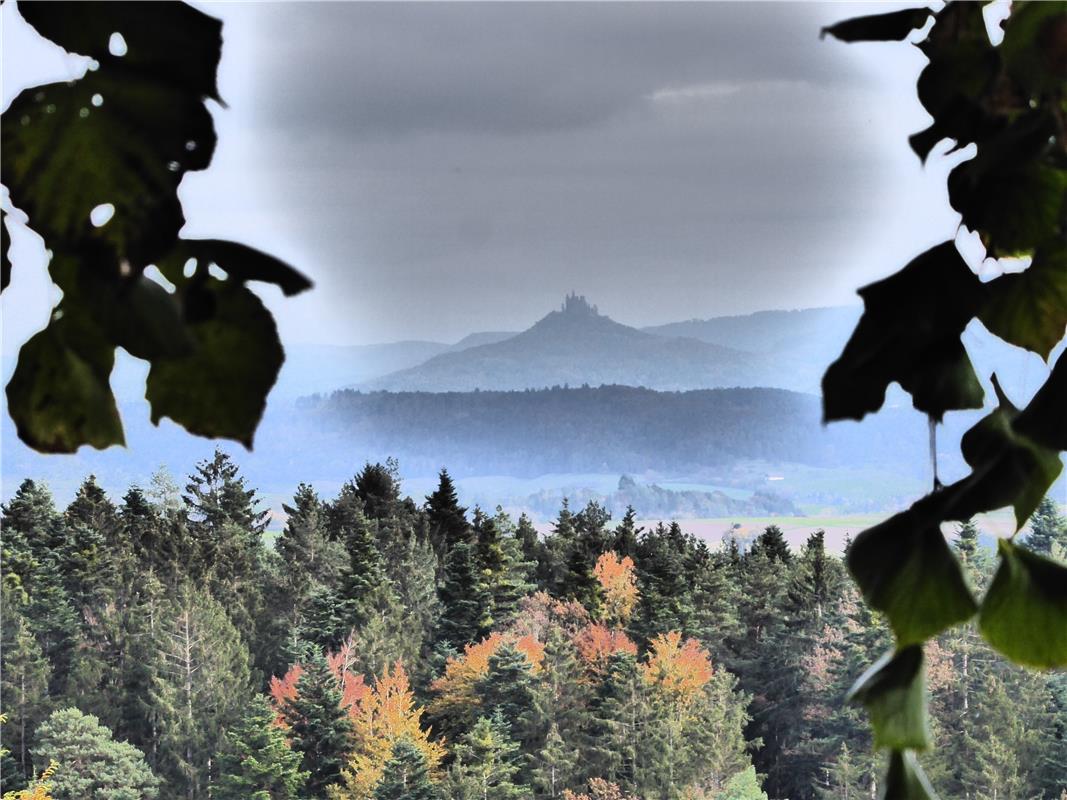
point(320, 731)
point(487, 760)
point(620, 746)
point(55, 623)
point(92, 508)
point(90, 764)
point(217, 494)
point(447, 519)
point(466, 603)
point(554, 765)
point(1048, 530)
point(772, 543)
point(407, 776)
point(531, 548)
point(257, 762)
point(202, 682)
point(142, 533)
point(23, 686)
point(31, 530)
point(378, 488)
point(663, 561)
point(627, 533)
point(507, 690)
point(304, 544)
point(590, 539)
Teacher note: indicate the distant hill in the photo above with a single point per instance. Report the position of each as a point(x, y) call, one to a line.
point(577, 346)
point(797, 345)
point(606, 429)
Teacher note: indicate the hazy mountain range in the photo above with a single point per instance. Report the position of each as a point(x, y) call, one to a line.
point(479, 406)
point(577, 345)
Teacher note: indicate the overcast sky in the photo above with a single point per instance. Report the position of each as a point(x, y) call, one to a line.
point(447, 168)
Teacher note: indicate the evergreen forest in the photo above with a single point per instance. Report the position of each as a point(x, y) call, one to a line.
point(381, 647)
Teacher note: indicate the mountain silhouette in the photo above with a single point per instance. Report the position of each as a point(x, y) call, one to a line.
point(578, 345)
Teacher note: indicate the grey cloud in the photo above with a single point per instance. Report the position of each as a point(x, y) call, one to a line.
point(394, 68)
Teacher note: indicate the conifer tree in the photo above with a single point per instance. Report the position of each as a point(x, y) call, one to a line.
point(23, 686)
point(304, 544)
point(202, 682)
point(620, 746)
point(487, 760)
point(54, 622)
point(771, 542)
point(447, 518)
point(90, 764)
point(507, 690)
point(407, 776)
point(320, 731)
point(33, 514)
point(378, 488)
point(466, 603)
point(663, 580)
point(1048, 530)
point(553, 766)
point(590, 539)
point(92, 507)
point(256, 762)
point(531, 548)
point(217, 494)
point(627, 533)
point(142, 534)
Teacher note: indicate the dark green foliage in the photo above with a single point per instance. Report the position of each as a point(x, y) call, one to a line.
point(156, 648)
point(1048, 531)
point(466, 603)
point(217, 494)
point(319, 729)
point(487, 760)
point(406, 775)
point(212, 345)
point(446, 518)
point(772, 543)
point(377, 487)
point(200, 671)
point(256, 762)
point(507, 690)
point(91, 765)
point(23, 688)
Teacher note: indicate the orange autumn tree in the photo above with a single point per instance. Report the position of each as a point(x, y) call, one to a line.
point(597, 643)
point(678, 670)
point(618, 586)
point(599, 789)
point(386, 714)
point(456, 689)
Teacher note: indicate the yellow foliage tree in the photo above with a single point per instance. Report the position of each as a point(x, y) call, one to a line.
point(618, 585)
point(678, 670)
point(41, 789)
point(384, 715)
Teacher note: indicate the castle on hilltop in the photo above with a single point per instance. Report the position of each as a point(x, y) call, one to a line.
point(576, 304)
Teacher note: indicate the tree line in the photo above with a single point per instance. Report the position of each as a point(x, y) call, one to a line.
point(166, 646)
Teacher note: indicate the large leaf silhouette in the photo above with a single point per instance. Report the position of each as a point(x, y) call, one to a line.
point(119, 141)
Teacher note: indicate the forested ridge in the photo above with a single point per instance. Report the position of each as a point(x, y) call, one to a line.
point(161, 645)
